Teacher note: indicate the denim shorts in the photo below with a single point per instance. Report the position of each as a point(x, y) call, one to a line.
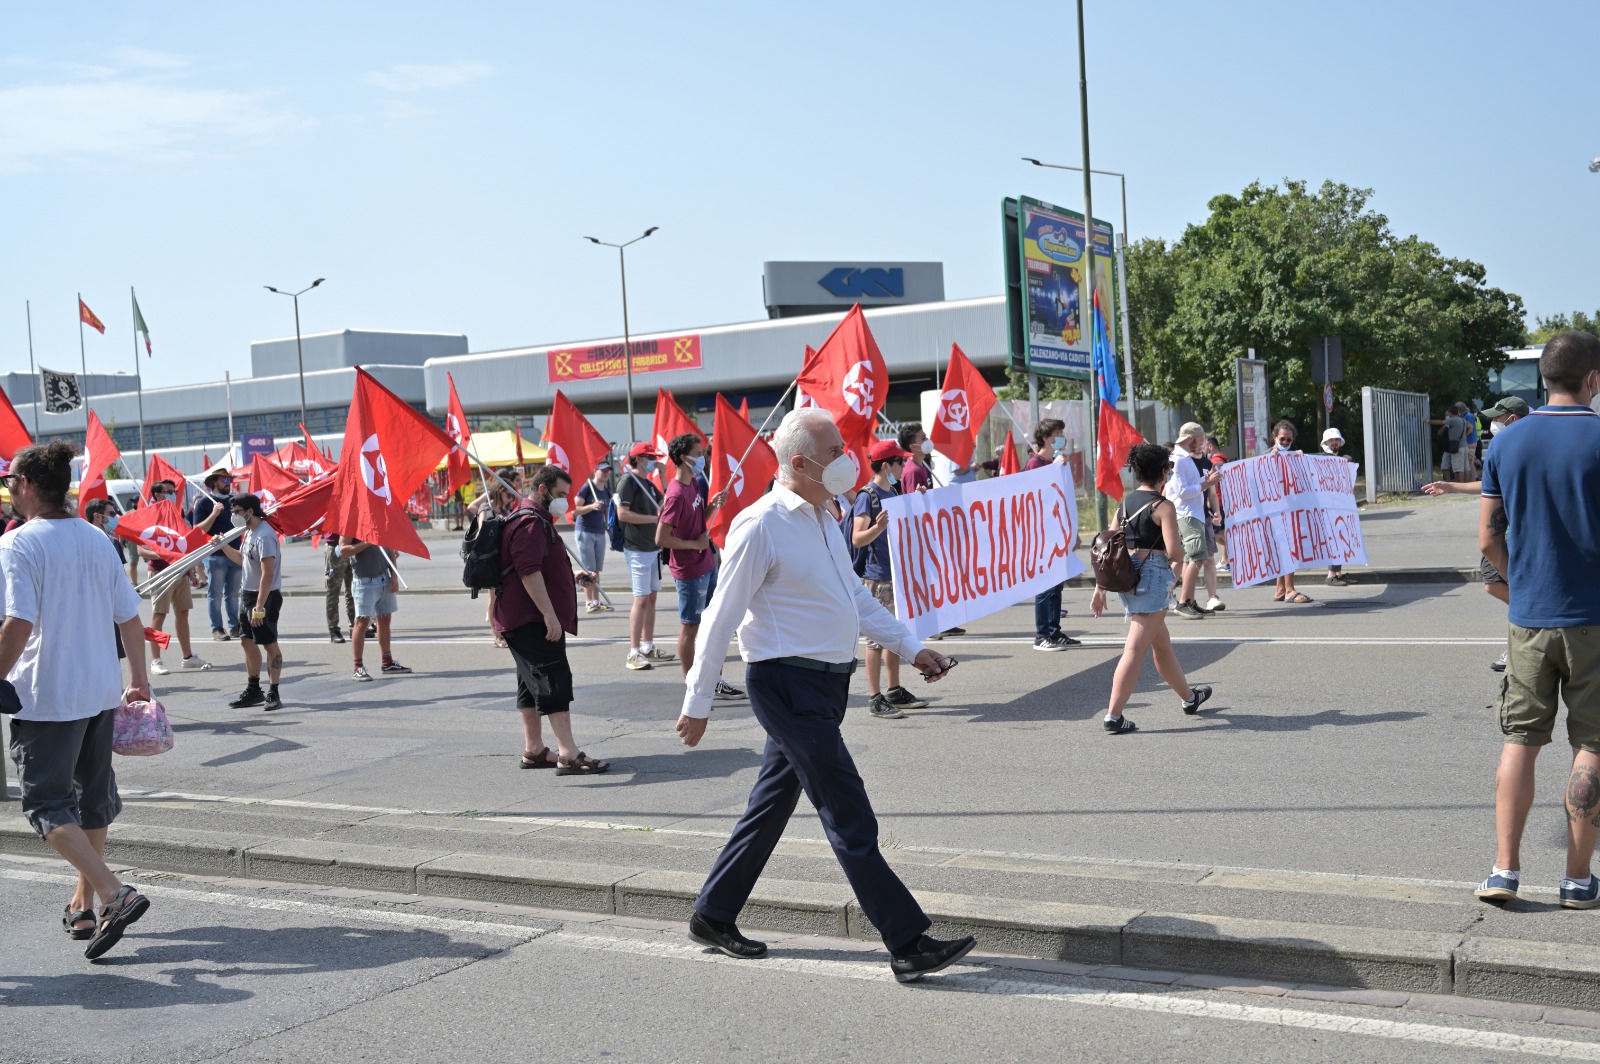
point(693, 596)
point(1155, 584)
point(644, 571)
point(373, 597)
point(592, 550)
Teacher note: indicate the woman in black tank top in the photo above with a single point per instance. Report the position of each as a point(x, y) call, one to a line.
point(1150, 529)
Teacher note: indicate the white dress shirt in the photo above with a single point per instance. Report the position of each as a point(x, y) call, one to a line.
point(1183, 487)
point(787, 586)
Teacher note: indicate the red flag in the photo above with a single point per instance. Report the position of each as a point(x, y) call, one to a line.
point(302, 508)
point(745, 483)
point(671, 422)
point(389, 450)
point(516, 432)
point(458, 467)
point(1008, 457)
point(1115, 439)
point(160, 469)
point(159, 638)
point(206, 458)
point(744, 408)
point(300, 460)
point(966, 401)
point(160, 527)
point(99, 454)
point(574, 444)
point(847, 377)
point(13, 433)
point(317, 455)
point(270, 482)
point(86, 316)
point(859, 450)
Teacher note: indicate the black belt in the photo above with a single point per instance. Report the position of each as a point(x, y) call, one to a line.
point(845, 668)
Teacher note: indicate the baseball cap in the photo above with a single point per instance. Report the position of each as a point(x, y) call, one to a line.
point(643, 450)
point(1333, 434)
point(1192, 430)
point(884, 450)
point(1509, 405)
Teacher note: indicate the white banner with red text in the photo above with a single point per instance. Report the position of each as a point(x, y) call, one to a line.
point(1287, 512)
point(962, 552)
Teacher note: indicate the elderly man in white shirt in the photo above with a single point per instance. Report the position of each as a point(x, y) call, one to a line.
point(1186, 488)
point(787, 586)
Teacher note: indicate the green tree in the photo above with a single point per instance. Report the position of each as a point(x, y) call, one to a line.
point(1545, 328)
point(1273, 269)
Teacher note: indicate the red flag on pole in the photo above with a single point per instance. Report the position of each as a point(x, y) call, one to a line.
point(965, 402)
point(745, 483)
point(322, 461)
point(13, 433)
point(270, 481)
point(389, 450)
point(671, 421)
point(160, 527)
point(99, 454)
point(458, 467)
point(86, 316)
point(574, 444)
point(1116, 437)
point(516, 432)
point(302, 508)
point(1008, 457)
point(744, 408)
point(847, 377)
point(160, 469)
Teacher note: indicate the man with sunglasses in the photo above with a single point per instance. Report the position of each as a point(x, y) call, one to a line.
point(212, 515)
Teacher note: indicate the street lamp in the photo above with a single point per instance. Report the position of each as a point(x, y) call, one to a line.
point(298, 355)
point(1122, 273)
point(627, 347)
point(1594, 165)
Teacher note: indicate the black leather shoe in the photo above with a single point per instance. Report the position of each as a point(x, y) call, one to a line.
point(732, 943)
point(932, 956)
point(335, 636)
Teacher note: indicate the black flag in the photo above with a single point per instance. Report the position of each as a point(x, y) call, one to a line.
point(61, 392)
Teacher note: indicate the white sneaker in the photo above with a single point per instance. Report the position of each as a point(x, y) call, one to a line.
point(195, 661)
point(637, 661)
point(591, 607)
point(158, 669)
point(1215, 604)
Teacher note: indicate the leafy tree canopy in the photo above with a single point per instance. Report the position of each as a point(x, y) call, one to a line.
point(1545, 328)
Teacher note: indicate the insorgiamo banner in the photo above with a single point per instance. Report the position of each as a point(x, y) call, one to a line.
point(964, 551)
point(1288, 512)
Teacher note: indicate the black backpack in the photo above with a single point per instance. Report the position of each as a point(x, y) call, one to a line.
point(480, 550)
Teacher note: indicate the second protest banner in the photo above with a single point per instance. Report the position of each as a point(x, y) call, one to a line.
point(1288, 512)
point(964, 551)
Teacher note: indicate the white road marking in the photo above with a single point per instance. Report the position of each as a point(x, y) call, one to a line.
point(975, 979)
point(1090, 641)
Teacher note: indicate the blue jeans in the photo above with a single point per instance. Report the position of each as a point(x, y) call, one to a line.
point(224, 575)
point(1047, 613)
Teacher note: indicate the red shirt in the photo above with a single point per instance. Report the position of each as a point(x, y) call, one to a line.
point(1035, 462)
point(915, 476)
point(685, 511)
point(532, 545)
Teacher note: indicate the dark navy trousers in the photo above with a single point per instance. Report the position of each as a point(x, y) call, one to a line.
point(801, 711)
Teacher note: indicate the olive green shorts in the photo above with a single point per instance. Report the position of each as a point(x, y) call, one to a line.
point(1193, 532)
point(1544, 667)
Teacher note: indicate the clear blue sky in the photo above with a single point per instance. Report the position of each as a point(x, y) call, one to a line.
point(439, 164)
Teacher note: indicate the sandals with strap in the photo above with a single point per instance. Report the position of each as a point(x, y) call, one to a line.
point(1299, 597)
point(543, 759)
point(71, 917)
point(115, 916)
point(582, 765)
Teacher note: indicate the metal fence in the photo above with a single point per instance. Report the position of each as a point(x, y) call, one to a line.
point(1399, 441)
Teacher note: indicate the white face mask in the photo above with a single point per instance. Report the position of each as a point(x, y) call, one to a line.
point(838, 476)
point(1494, 427)
point(558, 507)
point(1331, 448)
point(926, 447)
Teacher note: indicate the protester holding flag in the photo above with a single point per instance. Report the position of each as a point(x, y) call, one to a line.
point(869, 533)
point(589, 517)
point(212, 514)
point(260, 555)
point(339, 579)
point(1049, 445)
point(377, 600)
point(1155, 544)
point(177, 599)
point(638, 509)
point(681, 531)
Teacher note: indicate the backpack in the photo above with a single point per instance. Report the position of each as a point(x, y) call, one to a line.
point(1108, 556)
point(847, 525)
point(614, 530)
point(480, 550)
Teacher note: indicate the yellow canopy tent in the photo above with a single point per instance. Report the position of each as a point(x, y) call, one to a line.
point(500, 449)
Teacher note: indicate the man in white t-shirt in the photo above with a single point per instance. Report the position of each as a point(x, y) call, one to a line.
point(1187, 488)
point(64, 598)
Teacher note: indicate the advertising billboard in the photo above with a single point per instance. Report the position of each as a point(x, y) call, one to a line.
point(605, 360)
point(1250, 384)
point(1052, 292)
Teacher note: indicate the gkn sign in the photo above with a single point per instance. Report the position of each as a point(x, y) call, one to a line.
point(872, 282)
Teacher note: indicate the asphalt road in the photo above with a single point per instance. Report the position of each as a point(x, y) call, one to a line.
point(240, 974)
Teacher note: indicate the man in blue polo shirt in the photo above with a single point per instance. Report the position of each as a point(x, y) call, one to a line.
point(1543, 476)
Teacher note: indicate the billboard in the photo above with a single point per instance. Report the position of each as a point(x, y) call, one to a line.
point(587, 363)
point(1250, 388)
point(1051, 290)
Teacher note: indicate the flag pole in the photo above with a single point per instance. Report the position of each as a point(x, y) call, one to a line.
point(83, 364)
point(38, 391)
point(768, 420)
point(138, 379)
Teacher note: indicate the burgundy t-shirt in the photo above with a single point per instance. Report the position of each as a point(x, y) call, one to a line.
point(685, 511)
point(914, 477)
point(532, 545)
point(1035, 462)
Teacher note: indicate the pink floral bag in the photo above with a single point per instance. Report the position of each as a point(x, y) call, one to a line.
point(140, 729)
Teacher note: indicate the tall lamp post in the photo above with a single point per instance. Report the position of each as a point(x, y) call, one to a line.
point(1122, 275)
point(299, 356)
point(627, 346)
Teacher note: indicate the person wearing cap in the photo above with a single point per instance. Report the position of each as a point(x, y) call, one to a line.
point(259, 554)
point(1505, 412)
point(869, 533)
point(589, 515)
point(1332, 444)
point(1186, 489)
point(212, 515)
point(638, 510)
point(681, 532)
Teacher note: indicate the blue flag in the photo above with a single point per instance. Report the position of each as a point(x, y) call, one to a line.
point(1104, 361)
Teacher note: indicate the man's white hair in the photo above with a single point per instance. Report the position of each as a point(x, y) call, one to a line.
point(800, 431)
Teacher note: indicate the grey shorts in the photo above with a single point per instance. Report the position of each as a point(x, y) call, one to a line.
point(592, 551)
point(1488, 573)
point(64, 768)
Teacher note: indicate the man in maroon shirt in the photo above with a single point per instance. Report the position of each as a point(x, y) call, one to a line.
point(916, 476)
point(681, 530)
point(535, 610)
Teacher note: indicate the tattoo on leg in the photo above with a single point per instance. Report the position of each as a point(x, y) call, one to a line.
point(277, 662)
point(1583, 794)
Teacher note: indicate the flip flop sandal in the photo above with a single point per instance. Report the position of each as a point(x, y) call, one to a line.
point(115, 916)
point(71, 917)
point(1299, 597)
point(1277, 597)
point(542, 759)
point(582, 765)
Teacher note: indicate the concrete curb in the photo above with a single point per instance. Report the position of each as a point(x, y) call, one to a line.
point(1538, 973)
